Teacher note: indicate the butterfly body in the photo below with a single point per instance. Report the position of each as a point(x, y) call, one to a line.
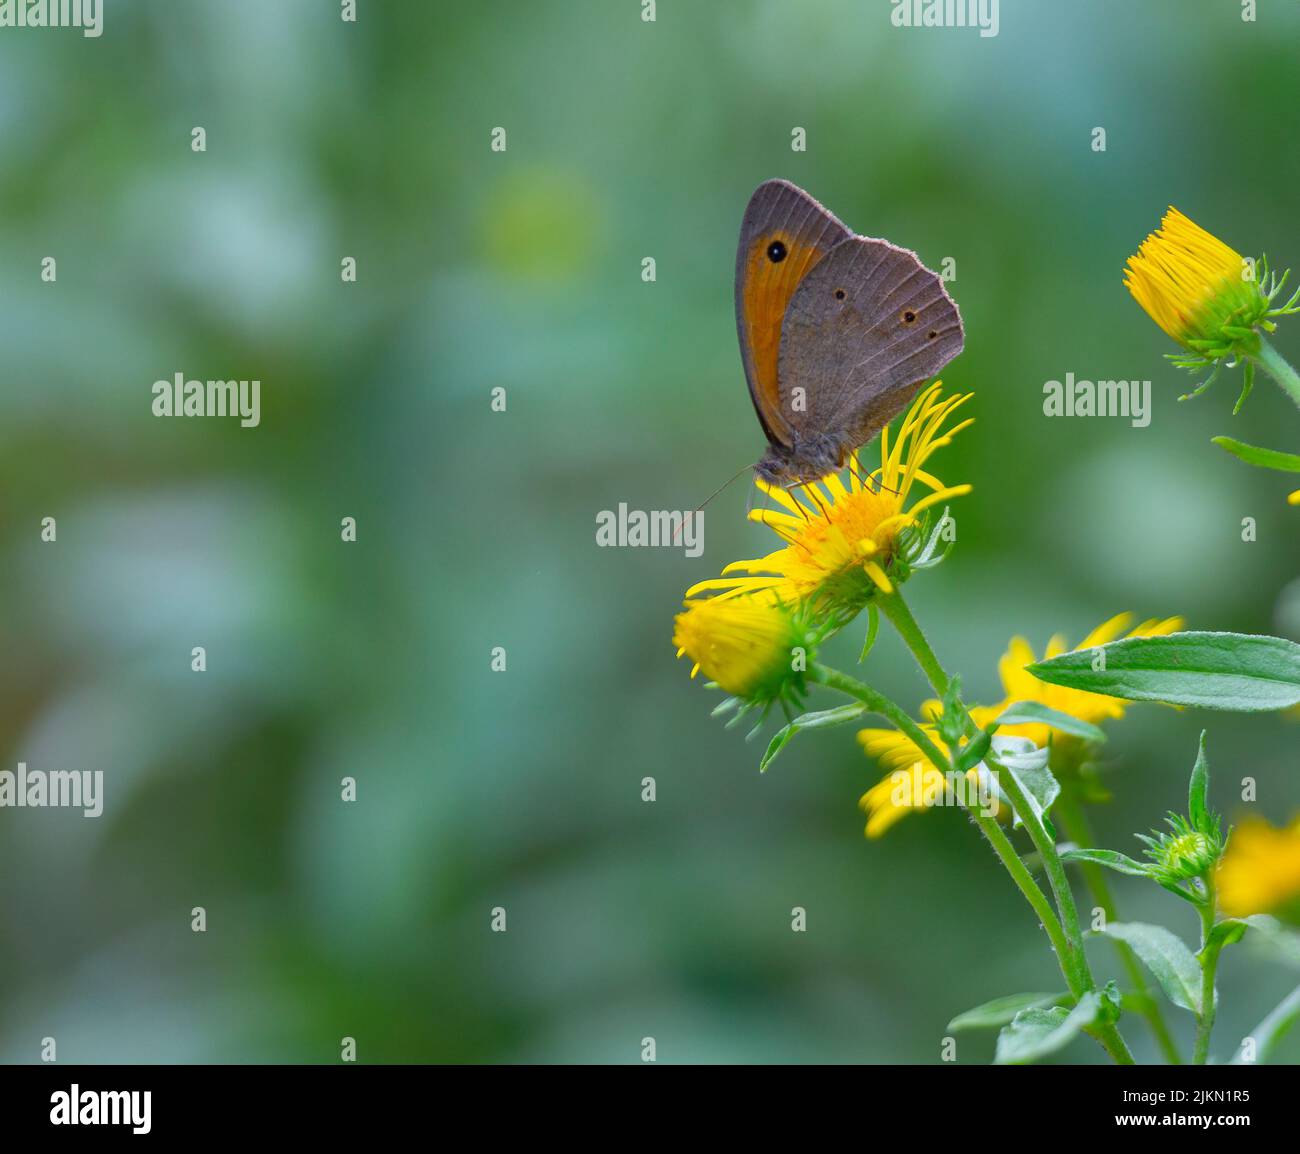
point(837, 331)
point(802, 460)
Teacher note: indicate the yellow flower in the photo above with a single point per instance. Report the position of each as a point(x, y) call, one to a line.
point(753, 647)
point(1192, 285)
point(1260, 871)
point(911, 780)
point(1019, 685)
point(896, 752)
point(843, 539)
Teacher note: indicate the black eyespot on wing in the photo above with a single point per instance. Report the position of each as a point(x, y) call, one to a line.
point(931, 334)
point(776, 252)
point(909, 317)
point(839, 294)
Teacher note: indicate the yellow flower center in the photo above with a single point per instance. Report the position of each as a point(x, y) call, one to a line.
point(843, 535)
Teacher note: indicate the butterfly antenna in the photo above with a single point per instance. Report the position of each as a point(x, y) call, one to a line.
point(677, 532)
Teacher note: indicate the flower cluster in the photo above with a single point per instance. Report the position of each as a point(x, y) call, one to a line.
point(848, 541)
point(897, 753)
point(845, 540)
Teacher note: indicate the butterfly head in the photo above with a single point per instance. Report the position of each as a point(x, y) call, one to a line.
point(807, 459)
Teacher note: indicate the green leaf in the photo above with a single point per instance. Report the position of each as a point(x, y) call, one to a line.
point(1171, 963)
point(1269, 1032)
point(1029, 712)
point(932, 555)
point(1111, 859)
point(779, 741)
point(1234, 671)
point(1279, 943)
point(1226, 932)
point(1036, 780)
point(1112, 1002)
point(1035, 1034)
point(1247, 382)
point(840, 715)
point(951, 723)
point(974, 751)
point(826, 718)
point(873, 627)
point(1264, 458)
point(1197, 810)
point(1000, 1011)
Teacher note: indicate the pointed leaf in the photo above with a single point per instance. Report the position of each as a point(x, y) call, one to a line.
point(840, 715)
point(1000, 1011)
point(974, 751)
point(1170, 961)
point(1233, 671)
point(825, 718)
point(1035, 1034)
point(873, 627)
point(1197, 811)
point(951, 723)
point(1264, 458)
point(1111, 859)
point(1247, 383)
point(931, 555)
point(1226, 932)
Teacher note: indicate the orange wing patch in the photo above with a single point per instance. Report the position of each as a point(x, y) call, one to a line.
point(769, 285)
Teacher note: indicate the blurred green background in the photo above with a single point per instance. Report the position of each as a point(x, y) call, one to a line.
point(521, 270)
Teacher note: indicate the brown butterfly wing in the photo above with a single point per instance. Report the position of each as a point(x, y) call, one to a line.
point(865, 329)
point(778, 214)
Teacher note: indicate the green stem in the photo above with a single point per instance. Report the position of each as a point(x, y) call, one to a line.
point(896, 609)
point(1209, 959)
point(900, 616)
point(880, 704)
point(1079, 830)
point(1073, 962)
point(1052, 864)
point(1277, 367)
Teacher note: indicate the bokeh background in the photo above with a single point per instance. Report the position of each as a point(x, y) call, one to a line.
point(521, 270)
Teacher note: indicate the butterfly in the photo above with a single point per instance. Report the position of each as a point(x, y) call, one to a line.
point(837, 331)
